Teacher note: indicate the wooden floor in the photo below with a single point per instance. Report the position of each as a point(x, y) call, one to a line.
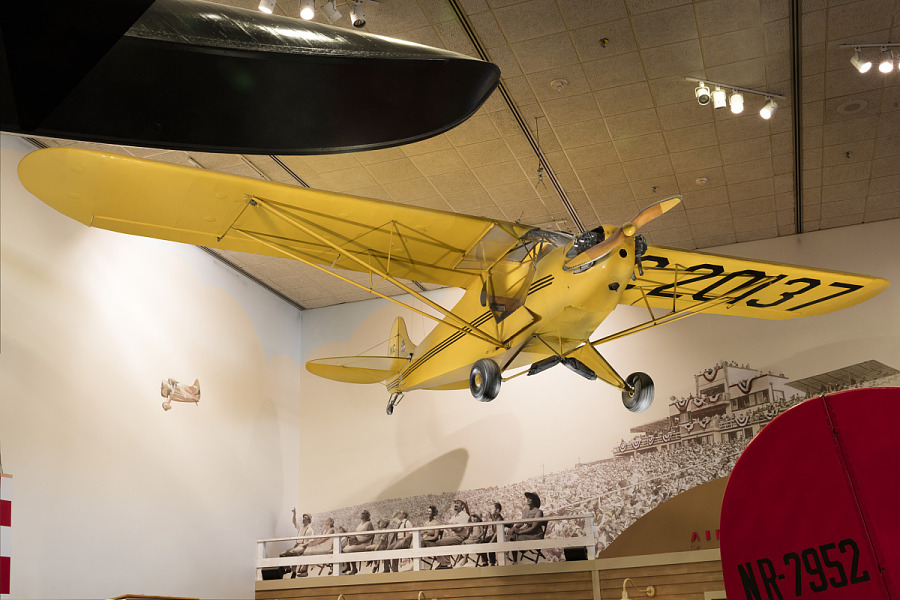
point(675, 576)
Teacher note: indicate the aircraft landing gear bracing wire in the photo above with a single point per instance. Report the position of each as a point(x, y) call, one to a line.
point(395, 399)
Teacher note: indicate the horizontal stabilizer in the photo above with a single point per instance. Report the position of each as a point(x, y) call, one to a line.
point(356, 369)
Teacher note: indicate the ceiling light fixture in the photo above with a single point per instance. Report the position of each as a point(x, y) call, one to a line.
point(768, 109)
point(886, 65)
point(887, 60)
point(736, 102)
point(861, 65)
point(307, 9)
point(702, 94)
point(358, 15)
point(719, 98)
point(267, 6)
point(331, 12)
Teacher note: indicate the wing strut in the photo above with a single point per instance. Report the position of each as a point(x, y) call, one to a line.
point(451, 319)
point(673, 316)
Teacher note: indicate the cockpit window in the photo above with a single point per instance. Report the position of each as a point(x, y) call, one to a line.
point(536, 243)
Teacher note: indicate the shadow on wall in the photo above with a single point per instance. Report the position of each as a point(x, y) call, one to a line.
point(444, 473)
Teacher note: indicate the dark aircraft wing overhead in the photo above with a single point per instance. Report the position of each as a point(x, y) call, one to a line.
point(188, 74)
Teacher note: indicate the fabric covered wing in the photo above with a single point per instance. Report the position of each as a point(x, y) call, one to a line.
point(679, 279)
point(204, 208)
point(356, 369)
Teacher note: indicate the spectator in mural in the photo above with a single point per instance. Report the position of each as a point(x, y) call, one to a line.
point(477, 535)
point(456, 536)
point(305, 528)
point(360, 543)
point(379, 541)
point(430, 537)
point(403, 541)
point(173, 390)
point(490, 533)
point(322, 545)
point(533, 530)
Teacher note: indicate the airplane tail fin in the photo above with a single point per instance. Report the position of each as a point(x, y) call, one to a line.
point(399, 345)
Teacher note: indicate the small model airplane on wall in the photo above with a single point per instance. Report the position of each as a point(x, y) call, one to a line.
point(533, 297)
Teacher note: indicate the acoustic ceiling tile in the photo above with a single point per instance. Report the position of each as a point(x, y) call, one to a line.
point(673, 60)
point(749, 190)
point(581, 13)
point(858, 18)
point(750, 149)
point(485, 153)
point(478, 128)
point(654, 189)
point(846, 173)
point(628, 98)
point(529, 20)
point(749, 170)
point(647, 168)
point(702, 182)
point(697, 159)
point(591, 156)
point(778, 36)
point(643, 146)
point(612, 195)
point(584, 133)
point(574, 109)
point(636, 7)
point(398, 169)
point(544, 53)
point(602, 176)
point(885, 167)
point(409, 190)
point(664, 27)
point(733, 47)
point(841, 220)
point(438, 162)
point(684, 114)
point(812, 28)
point(709, 214)
point(884, 185)
point(841, 191)
point(641, 122)
point(723, 16)
point(847, 152)
point(618, 35)
point(689, 138)
point(614, 71)
point(754, 206)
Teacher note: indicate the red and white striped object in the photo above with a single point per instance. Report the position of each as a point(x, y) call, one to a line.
point(5, 527)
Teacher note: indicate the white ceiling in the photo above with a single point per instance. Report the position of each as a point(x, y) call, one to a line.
point(625, 129)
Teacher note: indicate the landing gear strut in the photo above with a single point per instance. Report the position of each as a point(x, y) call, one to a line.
point(395, 399)
point(484, 380)
point(638, 393)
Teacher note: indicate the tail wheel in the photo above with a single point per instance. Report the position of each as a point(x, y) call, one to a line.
point(484, 380)
point(638, 395)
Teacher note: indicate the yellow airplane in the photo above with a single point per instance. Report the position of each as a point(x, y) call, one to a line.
point(533, 297)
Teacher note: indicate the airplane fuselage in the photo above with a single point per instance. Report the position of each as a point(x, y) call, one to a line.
point(562, 309)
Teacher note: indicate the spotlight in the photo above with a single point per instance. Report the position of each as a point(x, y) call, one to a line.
point(887, 61)
point(702, 93)
point(737, 103)
point(307, 9)
point(719, 98)
point(267, 6)
point(331, 12)
point(861, 65)
point(358, 15)
point(768, 109)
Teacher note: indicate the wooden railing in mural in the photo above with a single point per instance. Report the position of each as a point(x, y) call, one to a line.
point(427, 557)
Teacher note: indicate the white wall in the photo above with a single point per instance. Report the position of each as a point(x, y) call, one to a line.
point(446, 441)
point(114, 495)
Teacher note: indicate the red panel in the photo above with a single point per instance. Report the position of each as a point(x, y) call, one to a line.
point(804, 498)
point(4, 575)
point(5, 513)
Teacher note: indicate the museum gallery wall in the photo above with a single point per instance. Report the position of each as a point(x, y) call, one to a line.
point(114, 494)
point(139, 499)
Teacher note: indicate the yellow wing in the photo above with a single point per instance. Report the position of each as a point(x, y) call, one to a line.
point(680, 279)
point(356, 369)
point(193, 206)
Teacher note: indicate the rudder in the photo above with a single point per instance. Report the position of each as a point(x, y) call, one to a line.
point(399, 344)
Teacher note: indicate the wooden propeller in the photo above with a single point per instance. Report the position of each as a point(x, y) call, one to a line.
point(627, 230)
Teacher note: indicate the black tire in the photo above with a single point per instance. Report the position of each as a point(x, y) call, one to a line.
point(639, 394)
point(390, 408)
point(484, 380)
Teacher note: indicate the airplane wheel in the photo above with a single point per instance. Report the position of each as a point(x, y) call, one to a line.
point(639, 394)
point(390, 408)
point(484, 380)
